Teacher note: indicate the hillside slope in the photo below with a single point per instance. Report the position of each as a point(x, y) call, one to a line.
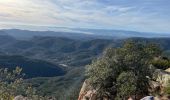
point(31, 67)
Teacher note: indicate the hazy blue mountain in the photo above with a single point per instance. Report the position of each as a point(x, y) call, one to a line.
point(5, 38)
point(26, 34)
point(82, 33)
point(122, 33)
point(3, 33)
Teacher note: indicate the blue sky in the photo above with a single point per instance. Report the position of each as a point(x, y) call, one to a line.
point(137, 15)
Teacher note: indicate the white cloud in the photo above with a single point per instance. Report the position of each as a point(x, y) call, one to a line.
point(80, 13)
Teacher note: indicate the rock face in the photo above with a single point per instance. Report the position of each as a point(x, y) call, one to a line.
point(164, 77)
point(86, 92)
point(162, 80)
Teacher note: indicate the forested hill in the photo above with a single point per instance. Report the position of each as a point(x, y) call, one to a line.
point(31, 67)
point(61, 50)
point(55, 49)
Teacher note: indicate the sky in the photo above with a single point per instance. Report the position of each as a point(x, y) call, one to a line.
point(136, 15)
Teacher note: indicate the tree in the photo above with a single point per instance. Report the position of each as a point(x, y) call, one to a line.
point(11, 85)
point(127, 84)
point(134, 57)
point(161, 63)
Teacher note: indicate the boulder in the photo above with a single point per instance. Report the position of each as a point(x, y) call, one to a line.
point(168, 70)
point(164, 77)
point(87, 92)
point(20, 97)
point(148, 98)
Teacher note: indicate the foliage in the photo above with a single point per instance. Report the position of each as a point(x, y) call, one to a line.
point(161, 63)
point(127, 84)
point(65, 87)
point(166, 90)
point(11, 85)
point(166, 53)
point(134, 57)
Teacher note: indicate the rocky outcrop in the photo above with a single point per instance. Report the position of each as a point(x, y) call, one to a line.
point(168, 70)
point(164, 77)
point(87, 92)
point(162, 80)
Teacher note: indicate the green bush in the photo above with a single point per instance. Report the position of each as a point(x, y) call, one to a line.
point(161, 64)
point(11, 85)
point(127, 84)
point(105, 74)
point(167, 90)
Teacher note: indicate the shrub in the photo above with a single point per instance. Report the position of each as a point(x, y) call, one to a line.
point(105, 73)
point(161, 64)
point(167, 90)
point(127, 84)
point(11, 85)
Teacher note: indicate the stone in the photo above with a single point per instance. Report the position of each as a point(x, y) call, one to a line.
point(148, 98)
point(87, 92)
point(20, 97)
point(164, 77)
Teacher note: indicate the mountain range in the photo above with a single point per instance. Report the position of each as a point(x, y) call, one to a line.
point(65, 50)
point(82, 33)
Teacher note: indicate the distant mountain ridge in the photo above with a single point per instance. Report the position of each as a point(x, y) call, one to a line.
point(123, 33)
point(82, 33)
point(26, 34)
